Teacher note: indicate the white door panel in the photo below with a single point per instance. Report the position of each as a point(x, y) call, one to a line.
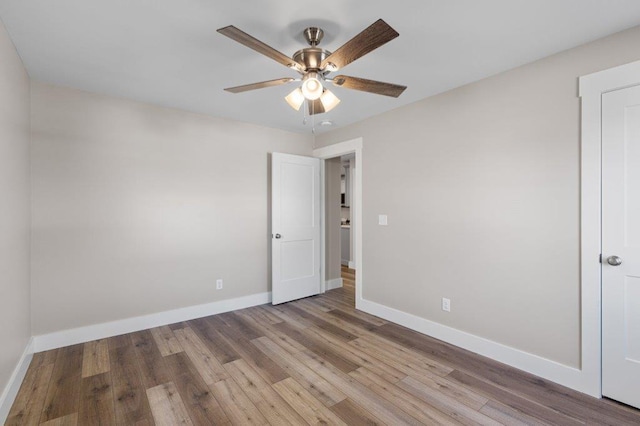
point(297, 260)
point(621, 238)
point(296, 196)
point(295, 192)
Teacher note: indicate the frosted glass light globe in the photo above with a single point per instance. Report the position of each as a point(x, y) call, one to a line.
point(311, 87)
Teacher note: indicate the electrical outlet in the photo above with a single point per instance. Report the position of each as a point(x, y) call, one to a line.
point(219, 284)
point(446, 304)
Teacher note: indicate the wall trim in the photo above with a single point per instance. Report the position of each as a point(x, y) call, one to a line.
point(10, 391)
point(88, 333)
point(334, 283)
point(591, 89)
point(534, 364)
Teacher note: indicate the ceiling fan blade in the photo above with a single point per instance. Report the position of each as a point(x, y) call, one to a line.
point(370, 39)
point(372, 86)
point(260, 47)
point(315, 107)
point(261, 85)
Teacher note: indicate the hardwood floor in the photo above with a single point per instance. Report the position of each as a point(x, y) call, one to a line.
point(313, 361)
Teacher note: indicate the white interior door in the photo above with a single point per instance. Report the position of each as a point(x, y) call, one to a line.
point(295, 227)
point(621, 245)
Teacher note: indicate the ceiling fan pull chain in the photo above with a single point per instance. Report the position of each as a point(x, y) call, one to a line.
point(304, 115)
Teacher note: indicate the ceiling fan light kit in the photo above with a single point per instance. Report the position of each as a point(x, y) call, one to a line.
point(314, 64)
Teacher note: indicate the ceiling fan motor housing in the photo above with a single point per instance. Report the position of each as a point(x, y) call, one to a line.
point(311, 57)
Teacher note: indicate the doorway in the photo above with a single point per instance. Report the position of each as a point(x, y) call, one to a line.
point(351, 149)
point(347, 264)
point(338, 195)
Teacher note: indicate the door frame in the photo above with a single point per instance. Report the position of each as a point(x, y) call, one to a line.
point(591, 89)
point(332, 151)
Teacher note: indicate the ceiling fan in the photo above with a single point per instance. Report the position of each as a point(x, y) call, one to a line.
point(314, 64)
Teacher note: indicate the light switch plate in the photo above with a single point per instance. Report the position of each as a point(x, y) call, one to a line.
point(382, 219)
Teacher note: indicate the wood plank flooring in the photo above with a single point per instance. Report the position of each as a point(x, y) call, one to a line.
point(312, 361)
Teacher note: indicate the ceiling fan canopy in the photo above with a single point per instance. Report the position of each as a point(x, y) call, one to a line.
point(314, 64)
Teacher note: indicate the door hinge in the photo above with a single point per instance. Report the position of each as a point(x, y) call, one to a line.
point(600, 258)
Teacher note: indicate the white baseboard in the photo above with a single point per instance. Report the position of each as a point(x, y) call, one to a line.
point(334, 283)
point(88, 333)
point(351, 265)
point(571, 377)
point(15, 381)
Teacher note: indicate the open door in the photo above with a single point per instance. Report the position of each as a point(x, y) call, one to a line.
point(621, 245)
point(295, 227)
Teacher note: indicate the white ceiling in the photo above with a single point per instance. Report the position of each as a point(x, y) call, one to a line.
point(168, 52)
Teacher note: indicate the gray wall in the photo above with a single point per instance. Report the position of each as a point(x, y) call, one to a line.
point(15, 310)
point(138, 209)
point(332, 217)
point(483, 202)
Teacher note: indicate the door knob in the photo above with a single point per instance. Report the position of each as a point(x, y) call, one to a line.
point(278, 236)
point(614, 261)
